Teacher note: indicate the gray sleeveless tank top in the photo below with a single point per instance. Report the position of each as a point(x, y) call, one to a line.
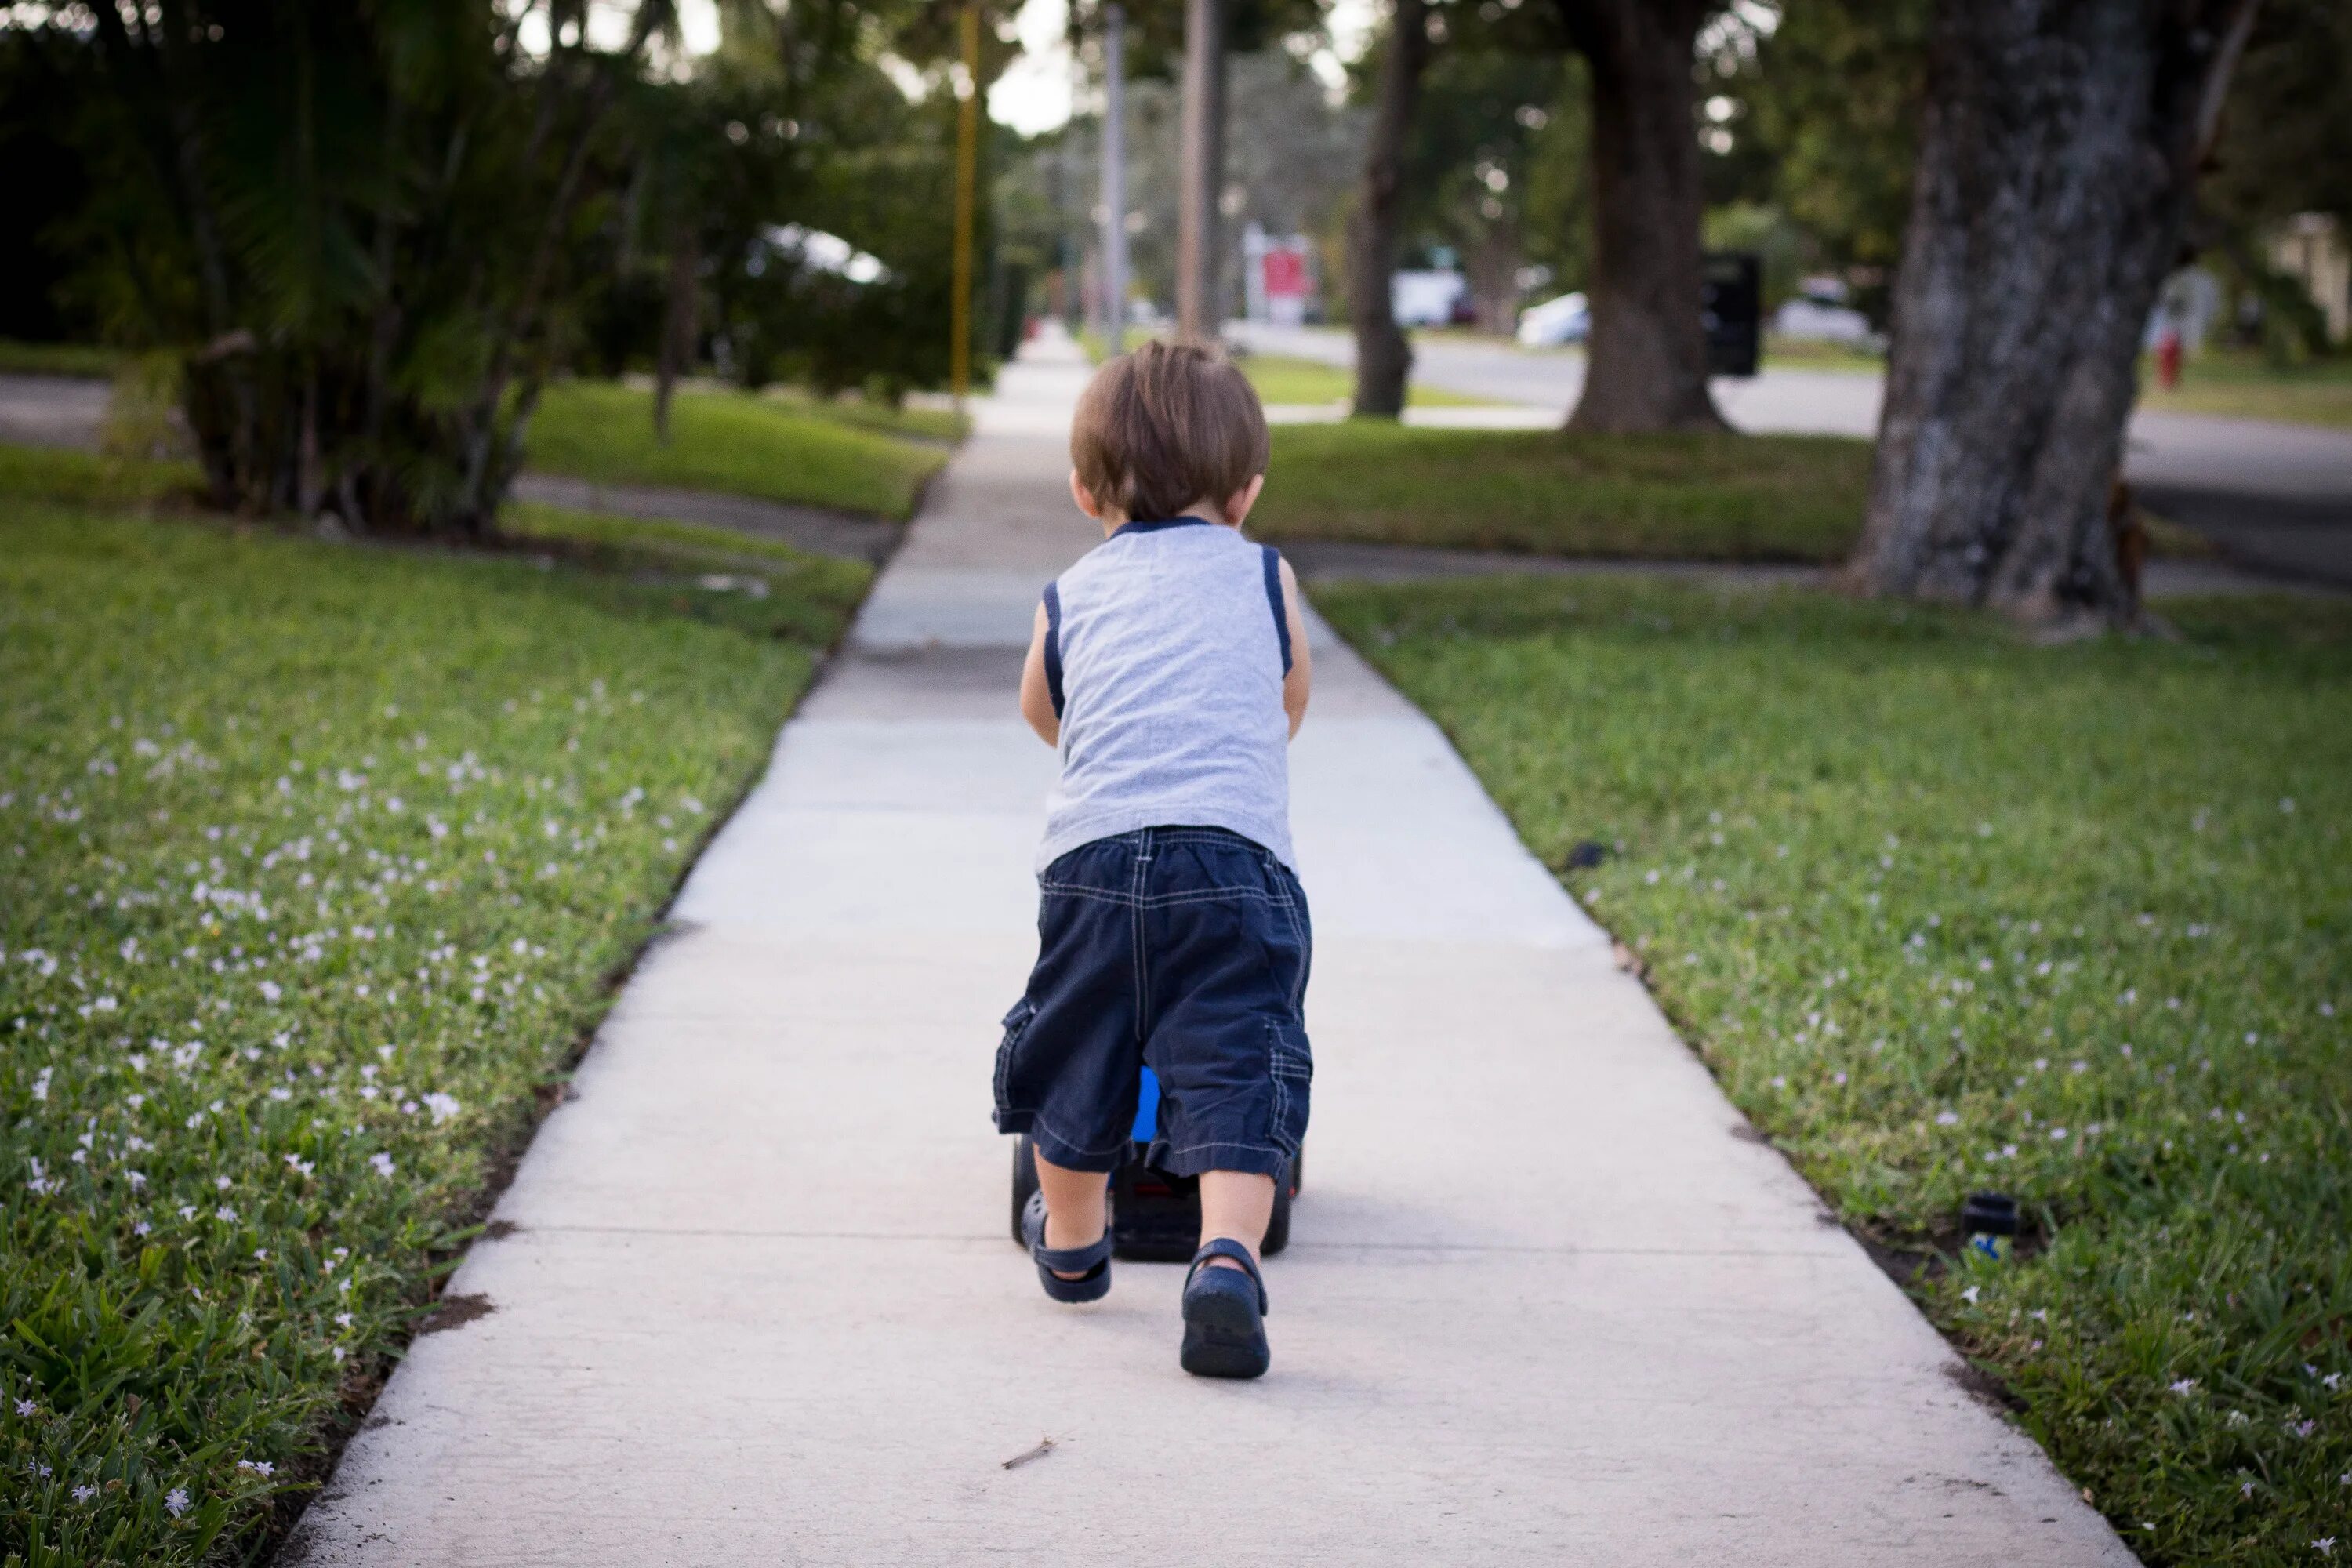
point(1165, 650)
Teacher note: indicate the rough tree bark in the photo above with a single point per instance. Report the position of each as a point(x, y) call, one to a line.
point(1383, 358)
point(2058, 152)
point(1645, 366)
point(680, 319)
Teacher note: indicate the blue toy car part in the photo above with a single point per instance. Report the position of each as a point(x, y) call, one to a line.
point(1155, 1217)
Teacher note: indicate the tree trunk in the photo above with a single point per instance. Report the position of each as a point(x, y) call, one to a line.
point(1383, 358)
point(1645, 366)
point(678, 323)
point(1201, 176)
point(2057, 155)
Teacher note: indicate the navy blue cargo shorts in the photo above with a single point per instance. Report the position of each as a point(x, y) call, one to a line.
point(1180, 949)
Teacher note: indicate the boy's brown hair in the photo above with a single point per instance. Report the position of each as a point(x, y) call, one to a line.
point(1164, 427)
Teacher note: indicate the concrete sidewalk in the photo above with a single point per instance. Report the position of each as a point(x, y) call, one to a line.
point(1546, 1304)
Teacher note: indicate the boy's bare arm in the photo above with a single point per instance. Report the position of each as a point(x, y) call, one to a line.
point(1036, 697)
point(1295, 685)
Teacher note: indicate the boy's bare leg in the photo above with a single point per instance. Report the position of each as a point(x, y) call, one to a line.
point(1235, 1203)
point(1074, 1207)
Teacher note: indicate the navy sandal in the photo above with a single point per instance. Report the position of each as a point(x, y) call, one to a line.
point(1224, 1314)
point(1091, 1262)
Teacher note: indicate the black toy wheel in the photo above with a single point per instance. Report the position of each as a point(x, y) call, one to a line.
point(1024, 1181)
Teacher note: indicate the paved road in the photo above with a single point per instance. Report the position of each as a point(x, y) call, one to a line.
point(1549, 1301)
point(2274, 496)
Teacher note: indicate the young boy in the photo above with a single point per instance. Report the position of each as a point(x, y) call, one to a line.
point(1170, 668)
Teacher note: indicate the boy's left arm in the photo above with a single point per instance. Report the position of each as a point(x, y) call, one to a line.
point(1036, 692)
point(1296, 685)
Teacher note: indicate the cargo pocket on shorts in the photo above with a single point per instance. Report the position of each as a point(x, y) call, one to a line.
point(1016, 1024)
point(1291, 1067)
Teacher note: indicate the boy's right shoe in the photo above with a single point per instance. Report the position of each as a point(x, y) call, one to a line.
point(1090, 1263)
point(1224, 1314)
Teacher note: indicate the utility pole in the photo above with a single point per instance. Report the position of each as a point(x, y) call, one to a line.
point(967, 171)
point(1202, 168)
point(1114, 178)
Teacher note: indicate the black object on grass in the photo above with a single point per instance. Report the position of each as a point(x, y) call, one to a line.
point(1584, 855)
point(1991, 1213)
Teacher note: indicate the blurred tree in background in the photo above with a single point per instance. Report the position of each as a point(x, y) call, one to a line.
point(366, 236)
point(1471, 162)
point(2286, 149)
point(1831, 109)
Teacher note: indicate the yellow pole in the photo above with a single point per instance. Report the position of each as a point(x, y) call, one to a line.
point(967, 169)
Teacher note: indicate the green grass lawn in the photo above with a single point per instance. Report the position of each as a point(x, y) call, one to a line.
point(1946, 911)
point(57, 359)
point(1715, 497)
point(2245, 386)
point(1283, 378)
point(922, 424)
point(810, 454)
point(1800, 353)
point(1719, 497)
point(315, 862)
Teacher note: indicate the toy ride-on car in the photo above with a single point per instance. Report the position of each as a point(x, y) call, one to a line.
point(1155, 1217)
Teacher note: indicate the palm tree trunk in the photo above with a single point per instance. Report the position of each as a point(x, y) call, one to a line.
point(678, 320)
point(1383, 358)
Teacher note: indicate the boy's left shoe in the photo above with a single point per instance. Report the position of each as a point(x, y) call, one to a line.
point(1090, 1263)
point(1225, 1315)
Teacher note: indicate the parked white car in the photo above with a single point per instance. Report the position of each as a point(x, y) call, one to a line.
point(1823, 322)
point(1567, 320)
point(1425, 299)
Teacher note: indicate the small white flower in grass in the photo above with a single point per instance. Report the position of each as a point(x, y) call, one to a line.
point(26, 1408)
point(336, 1352)
point(270, 991)
point(382, 1164)
point(83, 1494)
point(136, 1180)
point(175, 1501)
point(142, 1228)
point(2323, 1544)
point(224, 1214)
point(187, 1211)
point(342, 1320)
point(2286, 804)
point(2057, 1134)
point(261, 1468)
point(1947, 1119)
point(2183, 1388)
point(2301, 1429)
point(1970, 1295)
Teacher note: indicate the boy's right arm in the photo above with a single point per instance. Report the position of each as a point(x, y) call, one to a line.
point(1036, 697)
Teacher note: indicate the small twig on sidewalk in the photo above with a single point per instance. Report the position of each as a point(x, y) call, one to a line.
point(1044, 1447)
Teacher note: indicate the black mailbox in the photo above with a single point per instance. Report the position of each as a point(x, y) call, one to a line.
point(1732, 308)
